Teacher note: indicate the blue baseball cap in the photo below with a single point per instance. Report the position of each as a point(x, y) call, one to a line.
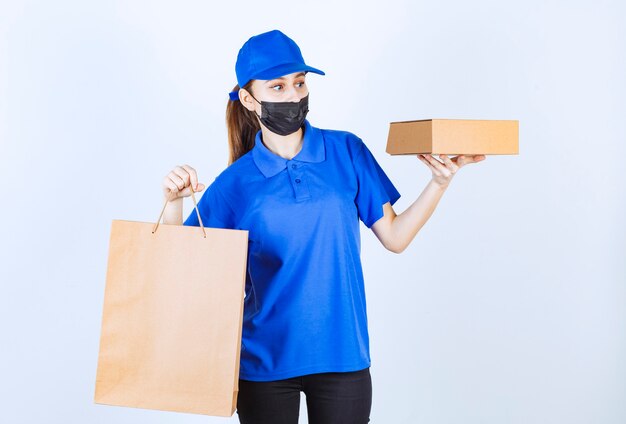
point(267, 56)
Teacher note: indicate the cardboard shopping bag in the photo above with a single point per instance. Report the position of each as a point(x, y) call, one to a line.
point(172, 317)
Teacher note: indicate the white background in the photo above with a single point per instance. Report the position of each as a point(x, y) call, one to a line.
point(509, 305)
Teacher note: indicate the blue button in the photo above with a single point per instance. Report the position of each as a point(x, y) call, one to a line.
point(298, 180)
point(294, 166)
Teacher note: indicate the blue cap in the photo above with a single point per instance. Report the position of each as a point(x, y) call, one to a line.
point(267, 56)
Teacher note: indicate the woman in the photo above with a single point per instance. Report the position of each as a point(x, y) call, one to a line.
point(300, 191)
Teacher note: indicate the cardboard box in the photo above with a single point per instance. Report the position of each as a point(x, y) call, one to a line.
point(454, 137)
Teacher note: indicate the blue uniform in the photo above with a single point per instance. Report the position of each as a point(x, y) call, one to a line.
point(304, 304)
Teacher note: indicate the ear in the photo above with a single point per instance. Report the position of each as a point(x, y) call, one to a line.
point(246, 99)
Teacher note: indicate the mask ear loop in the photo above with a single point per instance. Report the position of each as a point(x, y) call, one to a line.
point(256, 100)
point(258, 103)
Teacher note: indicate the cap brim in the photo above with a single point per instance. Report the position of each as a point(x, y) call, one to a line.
point(285, 69)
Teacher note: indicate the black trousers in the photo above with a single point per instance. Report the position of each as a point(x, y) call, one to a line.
point(331, 397)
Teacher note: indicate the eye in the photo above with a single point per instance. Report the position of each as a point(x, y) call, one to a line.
point(280, 85)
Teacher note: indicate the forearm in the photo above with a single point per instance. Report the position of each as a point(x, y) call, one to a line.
point(406, 225)
point(173, 214)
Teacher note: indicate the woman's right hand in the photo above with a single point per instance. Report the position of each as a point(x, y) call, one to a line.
point(177, 184)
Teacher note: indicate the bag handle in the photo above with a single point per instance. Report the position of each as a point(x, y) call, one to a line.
point(195, 204)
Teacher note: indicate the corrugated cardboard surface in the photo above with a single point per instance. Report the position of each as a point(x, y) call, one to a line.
point(454, 136)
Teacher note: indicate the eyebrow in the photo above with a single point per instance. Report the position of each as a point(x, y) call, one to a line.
point(282, 78)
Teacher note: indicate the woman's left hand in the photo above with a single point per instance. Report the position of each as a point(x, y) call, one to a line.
point(443, 172)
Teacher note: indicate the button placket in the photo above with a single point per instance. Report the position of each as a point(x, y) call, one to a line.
point(298, 181)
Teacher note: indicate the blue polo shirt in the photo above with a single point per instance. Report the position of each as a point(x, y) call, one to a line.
point(304, 305)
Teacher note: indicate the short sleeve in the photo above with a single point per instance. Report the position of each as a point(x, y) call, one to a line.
point(374, 187)
point(214, 210)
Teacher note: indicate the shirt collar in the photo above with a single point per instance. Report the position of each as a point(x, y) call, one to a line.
point(271, 164)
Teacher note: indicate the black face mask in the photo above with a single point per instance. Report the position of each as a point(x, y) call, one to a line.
point(284, 118)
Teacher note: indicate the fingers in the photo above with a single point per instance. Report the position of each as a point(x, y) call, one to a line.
point(180, 178)
point(432, 168)
point(450, 166)
point(176, 177)
point(192, 176)
point(453, 167)
point(188, 176)
point(436, 166)
point(183, 174)
point(169, 184)
point(461, 160)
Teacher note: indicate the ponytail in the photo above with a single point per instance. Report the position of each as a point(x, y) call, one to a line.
point(242, 126)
